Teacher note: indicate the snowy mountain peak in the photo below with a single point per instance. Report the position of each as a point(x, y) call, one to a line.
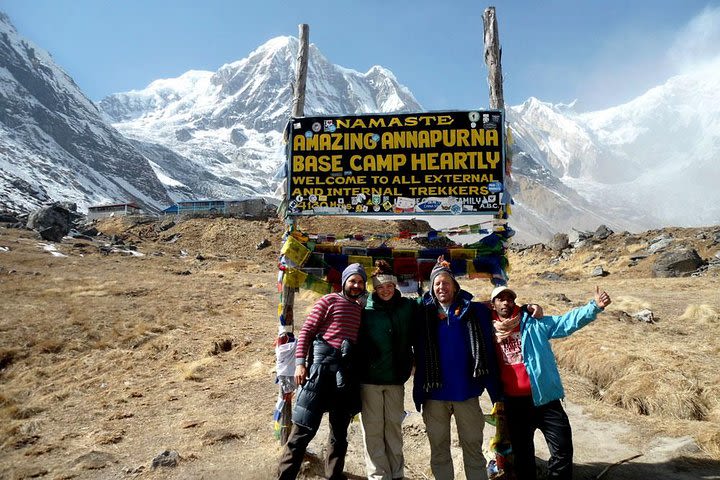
point(276, 44)
point(218, 134)
point(230, 121)
point(53, 141)
point(382, 72)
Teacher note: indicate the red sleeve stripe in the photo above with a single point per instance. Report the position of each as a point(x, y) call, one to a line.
point(335, 318)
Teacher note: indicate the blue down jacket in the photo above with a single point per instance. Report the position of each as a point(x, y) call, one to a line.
point(330, 385)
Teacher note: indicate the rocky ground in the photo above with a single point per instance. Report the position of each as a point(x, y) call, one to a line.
point(113, 352)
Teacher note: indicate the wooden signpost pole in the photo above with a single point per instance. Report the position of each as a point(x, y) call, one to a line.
point(493, 57)
point(493, 54)
point(288, 293)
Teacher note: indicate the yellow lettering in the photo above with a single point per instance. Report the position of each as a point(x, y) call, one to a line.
point(377, 122)
point(387, 140)
point(493, 158)
point(492, 138)
point(312, 163)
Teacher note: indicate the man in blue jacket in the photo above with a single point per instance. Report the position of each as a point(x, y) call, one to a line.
point(455, 363)
point(531, 381)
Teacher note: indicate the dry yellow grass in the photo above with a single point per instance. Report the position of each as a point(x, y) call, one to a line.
point(703, 314)
point(112, 353)
point(196, 370)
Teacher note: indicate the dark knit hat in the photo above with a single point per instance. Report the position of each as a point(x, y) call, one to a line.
point(442, 267)
point(353, 269)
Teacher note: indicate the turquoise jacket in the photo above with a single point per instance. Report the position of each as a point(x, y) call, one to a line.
point(538, 357)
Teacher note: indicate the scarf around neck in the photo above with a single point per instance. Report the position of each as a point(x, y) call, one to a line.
point(504, 328)
point(433, 315)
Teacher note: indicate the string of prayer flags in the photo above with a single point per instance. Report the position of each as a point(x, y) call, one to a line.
point(317, 266)
point(317, 285)
point(365, 261)
point(294, 278)
point(295, 251)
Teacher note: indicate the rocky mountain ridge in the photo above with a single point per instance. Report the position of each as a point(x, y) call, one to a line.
point(53, 141)
point(219, 135)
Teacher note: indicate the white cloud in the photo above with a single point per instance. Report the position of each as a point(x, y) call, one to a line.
point(698, 42)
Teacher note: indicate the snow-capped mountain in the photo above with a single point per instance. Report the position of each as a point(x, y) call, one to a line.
point(651, 162)
point(54, 144)
point(231, 121)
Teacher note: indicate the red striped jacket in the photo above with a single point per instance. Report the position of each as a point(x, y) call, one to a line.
point(333, 316)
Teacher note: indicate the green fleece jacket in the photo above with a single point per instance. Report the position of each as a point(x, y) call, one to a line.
point(385, 349)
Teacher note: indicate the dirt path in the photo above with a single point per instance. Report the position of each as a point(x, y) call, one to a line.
point(600, 447)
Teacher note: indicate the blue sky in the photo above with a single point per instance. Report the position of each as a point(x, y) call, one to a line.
point(601, 53)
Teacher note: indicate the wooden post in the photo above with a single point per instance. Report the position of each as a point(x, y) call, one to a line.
point(493, 54)
point(288, 293)
point(298, 108)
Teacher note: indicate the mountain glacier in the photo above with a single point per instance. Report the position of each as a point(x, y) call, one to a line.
point(648, 163)
point(652, 161)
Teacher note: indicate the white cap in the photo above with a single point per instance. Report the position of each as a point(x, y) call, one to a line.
point(498, 290)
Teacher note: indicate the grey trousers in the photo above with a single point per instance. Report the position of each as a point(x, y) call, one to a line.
point(383, 410)
point(470, 421)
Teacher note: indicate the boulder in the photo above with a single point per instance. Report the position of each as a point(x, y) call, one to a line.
point(168, 458)
point(679, 263)
point(52, 222)
point(602, 232)
point(598, 271)
point(644, 315)
point(559, 242)
point(659, 244)
point(577, 236)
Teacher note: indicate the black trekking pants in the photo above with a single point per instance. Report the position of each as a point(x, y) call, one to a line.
point(523, 418)
point(300, 436)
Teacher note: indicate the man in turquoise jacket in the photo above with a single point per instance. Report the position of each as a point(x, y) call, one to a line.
point(531, 380)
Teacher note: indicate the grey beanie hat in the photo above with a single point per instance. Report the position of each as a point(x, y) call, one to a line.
point(353, 269)
point(442, 267)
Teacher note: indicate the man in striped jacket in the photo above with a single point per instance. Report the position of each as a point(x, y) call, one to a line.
point(325, 344)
